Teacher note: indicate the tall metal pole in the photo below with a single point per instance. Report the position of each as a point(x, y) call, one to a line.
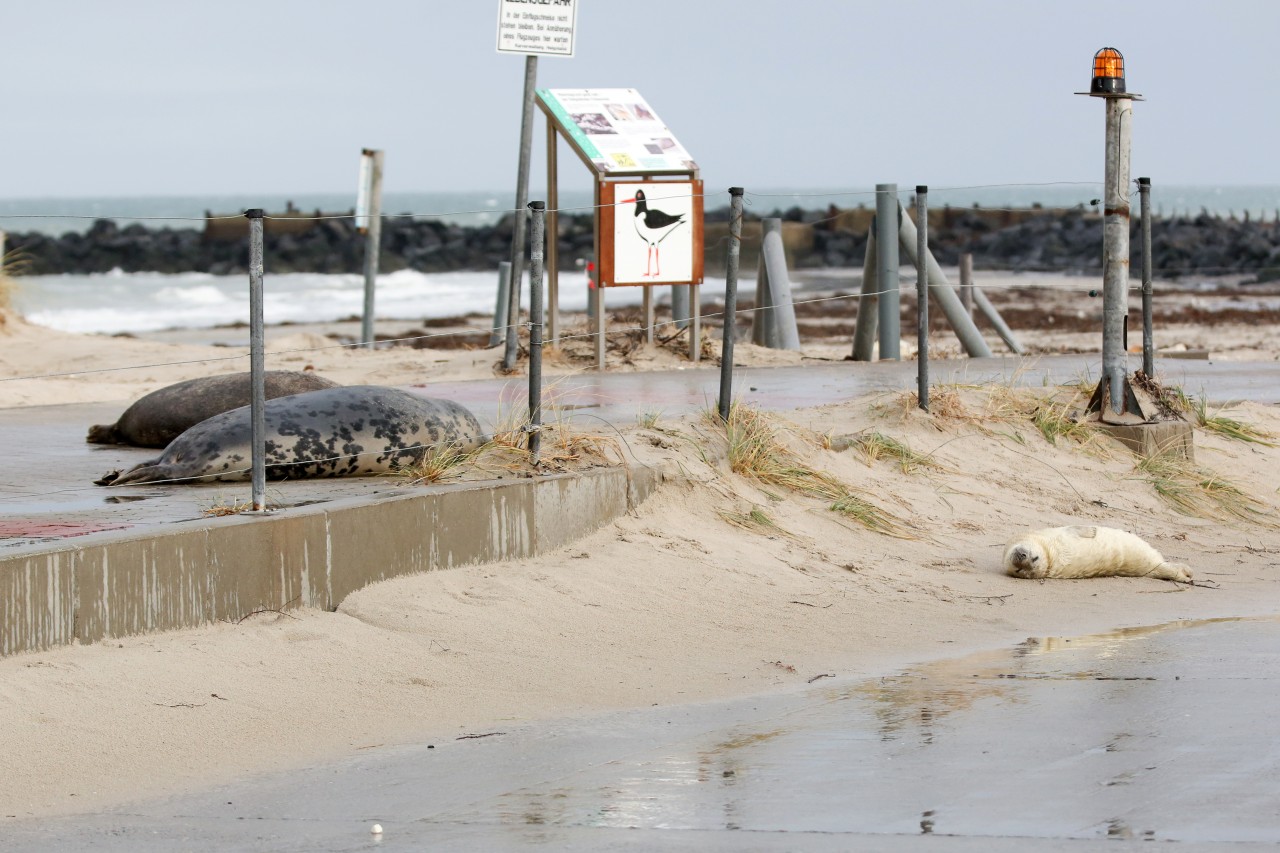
point(1148, 344)
point(730, 301)
point(257, 365)
point(1115, 249)
point(887, 270)
point(372, 245)
point(922, 296)
point(522, 199)
point(966, 281)
point(536, 249)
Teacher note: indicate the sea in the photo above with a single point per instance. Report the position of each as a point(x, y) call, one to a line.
point(120, 302)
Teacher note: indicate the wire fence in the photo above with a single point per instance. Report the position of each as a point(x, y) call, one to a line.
point(836, 300)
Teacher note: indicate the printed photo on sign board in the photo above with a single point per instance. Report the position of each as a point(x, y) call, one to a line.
point(653, 233)
point(616, 130)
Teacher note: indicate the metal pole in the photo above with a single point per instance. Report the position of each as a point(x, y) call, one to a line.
point(1115, 249)
point(680, 305)
point(887, 270)
point(943, 293)
point(500, 310)
point(257, 365)
point(864, 331)
point(695, 324)
point(730, 300)
point(966, 282)
point(522, 199)
point(781, 326)
point(372, 244)
point(1148, 344)
point(535, 327)
point(922, 296)
point(553, 244)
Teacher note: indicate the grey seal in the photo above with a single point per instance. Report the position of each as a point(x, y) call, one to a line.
point(158, 418)
point(335, 432)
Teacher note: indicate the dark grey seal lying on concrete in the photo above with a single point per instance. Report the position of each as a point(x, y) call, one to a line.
point(164, 414)
point(335, 432)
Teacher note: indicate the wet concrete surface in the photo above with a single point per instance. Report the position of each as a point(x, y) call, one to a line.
point(1166, 734)
point(47, 496)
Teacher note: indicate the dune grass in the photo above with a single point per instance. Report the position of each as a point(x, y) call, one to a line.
point(876, 445)
point(1198, 492)
point(756, 451)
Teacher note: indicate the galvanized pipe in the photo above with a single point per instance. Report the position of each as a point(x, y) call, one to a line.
point(1148, 344)
point(536, 250)
point(782, 323)
point(945, 295)
point(1115, 249)
point(257, 367)
point(730, 301)
point(372, 245)
point(997, 322)
point(922, 296)
point(498, 333)
point(864, 330)
point(680, 305)
point(522, 198)
point(887, 214)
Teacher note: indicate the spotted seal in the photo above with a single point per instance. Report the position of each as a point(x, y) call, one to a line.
point(334, 432)
point(1088, 552)
point(161, 416)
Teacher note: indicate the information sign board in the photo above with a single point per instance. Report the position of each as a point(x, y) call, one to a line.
point(615, 131)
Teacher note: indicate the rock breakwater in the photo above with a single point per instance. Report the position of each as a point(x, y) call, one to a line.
point(1044, 240)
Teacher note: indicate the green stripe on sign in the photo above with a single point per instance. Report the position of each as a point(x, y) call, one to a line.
point(566, 121)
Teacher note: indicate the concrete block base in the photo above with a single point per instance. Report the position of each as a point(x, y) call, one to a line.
point(1164, 437)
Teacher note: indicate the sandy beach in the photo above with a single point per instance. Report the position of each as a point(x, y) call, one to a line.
point(718, 586)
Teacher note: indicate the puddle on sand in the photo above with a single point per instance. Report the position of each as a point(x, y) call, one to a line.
point(1161, 733)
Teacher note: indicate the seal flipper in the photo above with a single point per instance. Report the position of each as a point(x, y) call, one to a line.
point(144, 472)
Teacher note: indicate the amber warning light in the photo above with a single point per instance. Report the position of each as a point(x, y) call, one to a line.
point(1108, 72)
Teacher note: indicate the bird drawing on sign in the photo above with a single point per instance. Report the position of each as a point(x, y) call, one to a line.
point(653, 226)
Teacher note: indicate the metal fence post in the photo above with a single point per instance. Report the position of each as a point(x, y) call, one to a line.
point(257, 365)
point(730, 300)
point(922, 296)
point(1148, 344)
point(887, 226)
point(864, 330)
point(498, 334)
point(966, 282)
point(536, 255)
point(372, 245)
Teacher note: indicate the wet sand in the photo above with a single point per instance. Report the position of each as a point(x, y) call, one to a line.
point(1164, 733)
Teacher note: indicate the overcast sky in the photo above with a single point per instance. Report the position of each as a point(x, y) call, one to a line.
point(166, 97)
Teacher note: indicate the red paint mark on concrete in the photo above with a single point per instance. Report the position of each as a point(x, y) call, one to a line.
point(20, 529)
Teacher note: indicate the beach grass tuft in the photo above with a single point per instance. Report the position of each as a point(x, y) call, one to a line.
point(1198, 492)
point(876, 445)
point(757, 451)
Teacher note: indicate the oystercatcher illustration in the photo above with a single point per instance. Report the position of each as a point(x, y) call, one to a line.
point(653, 226)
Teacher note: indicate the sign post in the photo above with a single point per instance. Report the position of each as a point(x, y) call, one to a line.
point(533, 29)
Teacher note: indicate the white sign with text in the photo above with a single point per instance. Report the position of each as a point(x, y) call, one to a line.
point(542, 27)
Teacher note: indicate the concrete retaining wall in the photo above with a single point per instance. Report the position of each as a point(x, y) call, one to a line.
point(197, 572)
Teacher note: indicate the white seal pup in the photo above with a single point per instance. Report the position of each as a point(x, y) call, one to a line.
point(1088, 552)
point(333, 432)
